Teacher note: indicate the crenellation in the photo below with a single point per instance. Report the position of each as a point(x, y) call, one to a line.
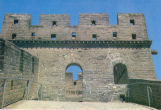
point(60, 25)
point(108, 56)
point(95, 19)
point(54, 20)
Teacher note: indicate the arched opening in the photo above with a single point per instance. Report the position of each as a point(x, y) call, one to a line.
point(120, 74)
point(75, 70)
point(73, 82)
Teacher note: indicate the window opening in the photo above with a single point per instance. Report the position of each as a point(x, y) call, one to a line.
point(94, 37)
point(132, 22)
point(53, 36)
point(93, 22)
point(13, 36)
point(133, 36)
point(15, 21)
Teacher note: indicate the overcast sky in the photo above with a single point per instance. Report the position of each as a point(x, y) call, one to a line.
point(151, 9)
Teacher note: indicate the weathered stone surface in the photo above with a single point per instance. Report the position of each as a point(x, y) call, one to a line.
point(145, 92)
point(96, 57)
point(16, 70)
point(84, 31)
point(97, 66)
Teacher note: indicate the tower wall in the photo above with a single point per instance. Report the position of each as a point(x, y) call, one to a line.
point(99, 19)
point(60, 20)
point(84, 30)
point(97, 66)
point(21, 29)
point(97, 57)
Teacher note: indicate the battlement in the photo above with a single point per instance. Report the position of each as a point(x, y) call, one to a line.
point(94, 19)
point(54, 20)
point(93, 26)
point(20, 19)
point(64, 19)
point(107, 55)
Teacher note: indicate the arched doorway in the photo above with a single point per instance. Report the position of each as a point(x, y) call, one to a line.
point(120, 74)
point(73, 82)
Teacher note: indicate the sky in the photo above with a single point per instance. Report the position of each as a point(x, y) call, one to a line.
point(150, 8)
point(75, 70)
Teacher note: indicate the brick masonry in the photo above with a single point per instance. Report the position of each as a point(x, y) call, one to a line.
point(97, 62)
point(138, 92)
point(14, 67)
point(84, 30)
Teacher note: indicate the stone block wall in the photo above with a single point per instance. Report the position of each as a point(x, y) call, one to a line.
point(138, 92)
point(84, 31)
point(97, 57)
point(14, 91)
point(16, 69)
point(17, 61)
point(97, 66)
point(20, 29)
point(99, 18)
point(60, 20)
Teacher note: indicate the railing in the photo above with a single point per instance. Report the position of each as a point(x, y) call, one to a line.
point(15, 89)
point(145, 93)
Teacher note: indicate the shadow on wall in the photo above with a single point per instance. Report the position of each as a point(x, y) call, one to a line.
point(120, 74)
point(146, 92)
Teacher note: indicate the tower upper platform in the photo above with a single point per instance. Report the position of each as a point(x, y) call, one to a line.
point(93, 26)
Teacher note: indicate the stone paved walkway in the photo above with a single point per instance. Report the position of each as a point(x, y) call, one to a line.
point(76, 105)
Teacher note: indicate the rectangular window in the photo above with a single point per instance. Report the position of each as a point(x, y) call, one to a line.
point(13, 36)
point(15, 21)
point(93, 22)
point(53, 36)
point(33, 34)
point(114, 34)
point(132, 22)
point(133, 36)
point(54, 23)
point(75, 83)
point(94, 36)
point(74, 34)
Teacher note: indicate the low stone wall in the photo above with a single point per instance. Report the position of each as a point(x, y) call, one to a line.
point(146, 92)
point(16, 68)
point(14, 91)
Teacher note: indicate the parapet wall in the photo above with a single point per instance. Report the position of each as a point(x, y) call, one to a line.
point(99, 18)
point(91, 27)
point(16, 68)
point(94, 45)
point(16, 61)
point(146, 92)
point(60, 20)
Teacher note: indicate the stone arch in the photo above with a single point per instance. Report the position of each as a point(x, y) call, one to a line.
point(77, 64)
point(120, 73)
point(73, 87)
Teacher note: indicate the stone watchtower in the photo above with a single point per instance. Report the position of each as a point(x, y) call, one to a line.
point(108, 55)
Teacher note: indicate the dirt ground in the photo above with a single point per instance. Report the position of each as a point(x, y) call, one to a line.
point(76, 105)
